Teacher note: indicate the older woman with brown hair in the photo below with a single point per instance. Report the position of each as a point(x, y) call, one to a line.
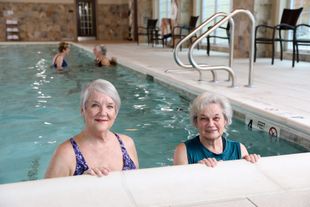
point(96, 150)
point(211, 115)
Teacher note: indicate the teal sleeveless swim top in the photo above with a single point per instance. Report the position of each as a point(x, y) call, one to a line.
point(196, 151)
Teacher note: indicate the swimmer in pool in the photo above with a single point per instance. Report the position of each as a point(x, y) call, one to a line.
point(59, 62)
point(100, 52)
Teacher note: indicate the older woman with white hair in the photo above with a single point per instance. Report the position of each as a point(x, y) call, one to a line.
point(211, 115)
point(96, 150)
point(100, 52)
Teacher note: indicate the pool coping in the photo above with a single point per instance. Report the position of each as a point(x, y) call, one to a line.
point(272, 181)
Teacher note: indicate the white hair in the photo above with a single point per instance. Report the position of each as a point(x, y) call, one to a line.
point(102, 86)
point(204, 100)
point(101, 48)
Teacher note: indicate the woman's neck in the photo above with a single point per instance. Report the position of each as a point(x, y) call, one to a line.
point(63, 54)
point(214, 145)
point(103, 136)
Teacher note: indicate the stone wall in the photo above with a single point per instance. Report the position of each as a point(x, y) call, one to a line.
point(263, 12)
point(145, 11)
point(243, 27)
point(112, 21)
point(41, 21)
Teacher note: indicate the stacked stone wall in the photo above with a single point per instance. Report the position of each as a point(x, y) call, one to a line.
point(112, 21)
point(41, 22)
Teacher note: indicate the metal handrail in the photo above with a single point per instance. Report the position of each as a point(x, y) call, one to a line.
point(201, 67)
point(176, 49)
point(251, 58)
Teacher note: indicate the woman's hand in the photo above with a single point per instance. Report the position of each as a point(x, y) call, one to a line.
point(210, 162)
point(248, 157)
point(252, 158)
point(103, 171)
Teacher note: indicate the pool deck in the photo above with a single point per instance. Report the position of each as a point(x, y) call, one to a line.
point(279, 97)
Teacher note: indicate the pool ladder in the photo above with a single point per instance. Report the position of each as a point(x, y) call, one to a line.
point(201, 67)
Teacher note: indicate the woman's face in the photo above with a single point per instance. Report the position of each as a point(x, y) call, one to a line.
point(97, 51)
point(211, 122)
point(99, 113)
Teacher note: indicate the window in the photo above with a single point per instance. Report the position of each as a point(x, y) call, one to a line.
point(206, 8)
point(303, 19)
point(164, 9)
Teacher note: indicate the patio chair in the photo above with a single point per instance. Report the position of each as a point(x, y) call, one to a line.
point(227, 36)
point(179, 32)
point(148, 30)
point(288, 23)
point(302, 37)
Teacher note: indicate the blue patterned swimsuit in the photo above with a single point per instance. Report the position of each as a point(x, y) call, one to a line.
point(81, 165)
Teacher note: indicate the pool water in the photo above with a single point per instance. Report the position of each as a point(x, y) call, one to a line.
point(40, 109)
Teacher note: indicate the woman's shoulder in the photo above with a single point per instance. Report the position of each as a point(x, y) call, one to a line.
point(125, 137)
point(57, 55)
point(127, 140)
point(193, 140)
point(65, 149)
point(229, 140)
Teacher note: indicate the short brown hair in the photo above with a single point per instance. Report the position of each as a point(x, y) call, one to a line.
point(62, 46)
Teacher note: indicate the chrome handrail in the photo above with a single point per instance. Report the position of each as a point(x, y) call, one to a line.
point(176, 49)
point(251, 58)
point(200, 67)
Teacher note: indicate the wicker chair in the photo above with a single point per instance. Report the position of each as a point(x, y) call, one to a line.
point(148, 31)
point(227, 30)
point(179, 32)
point(288, 23)
point(302, 37)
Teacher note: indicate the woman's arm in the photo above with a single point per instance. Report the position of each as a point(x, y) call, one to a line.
point(248, 157)
point(62, 162)
point(58, 62)
point(180, 155)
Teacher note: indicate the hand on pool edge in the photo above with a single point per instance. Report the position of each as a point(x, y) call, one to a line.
point(252, 158)
point(210, 162)
point(97, 171)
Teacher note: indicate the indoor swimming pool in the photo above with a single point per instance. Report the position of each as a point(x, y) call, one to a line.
point(40, 109)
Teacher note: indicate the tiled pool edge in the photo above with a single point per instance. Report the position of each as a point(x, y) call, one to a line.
point(273, 181)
